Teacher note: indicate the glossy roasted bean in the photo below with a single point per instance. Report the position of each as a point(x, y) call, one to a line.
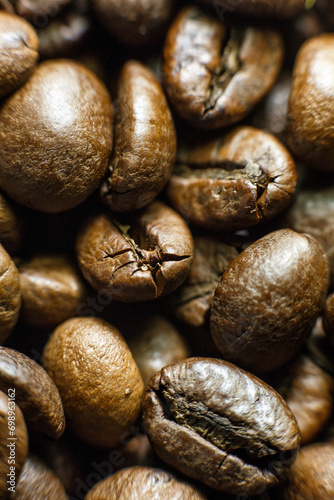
point(221, 425)
point(10, 295)
point(215, 75)
point(268, 300)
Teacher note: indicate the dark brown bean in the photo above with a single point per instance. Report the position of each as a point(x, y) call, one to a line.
point(268, 300)
point(38, 482)
point(97, 378)
point(140, 483)
point(10, 295)
point(18, 52)
point(35, 392)
point(56, 137)
point(52, 290)
point(145, 141)
point(328, 318)
point(219, 424)
point(213, 75)
point(140, 257)
point(312, 475)
point(11, 225)
point(236, 181)
point(311, 107)
point(279, 8)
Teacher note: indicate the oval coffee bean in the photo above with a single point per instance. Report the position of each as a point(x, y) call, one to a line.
point(55, 137)
point(214, 76)
point(140, 257)
point(133, 22)
point(10, 295)
point(18, 52)
point(38, 482)
point(268, 300)
point(38, 11)
point(97, 378)
point(234, 182)
point(312, 475)
point(219, 424)
point(52, 290)
point(140, 483)
point(145, 141)
point(311, 107)
point(11, 225)
point(13, 452)
point(35, 392)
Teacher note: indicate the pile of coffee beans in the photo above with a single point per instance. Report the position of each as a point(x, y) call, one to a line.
point(166, 250)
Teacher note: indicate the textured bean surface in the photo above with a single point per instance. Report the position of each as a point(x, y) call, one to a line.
point(213, 75)
point(55, 137)
point(143, 483)
point(35, 392)
point(217, 423)
point(145, 141)
point(10, 294)
point(268, 300)
point(97, 378)
point(140, 257)
point(236, 181)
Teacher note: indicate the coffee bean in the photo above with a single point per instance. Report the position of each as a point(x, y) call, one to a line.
point(310, 397)
point(215, 75)
point(143, 483)
point(52, 290)
point(38, 11)
point(279, 8)
point(219, 424)
point(133, 22)
point(312, 475)
point(145, 141)
point(268, 300)
point(311, 136)
point(139, 257)
point(56, 137)
point(10, 294)
point(13, 452)
point(18, 52)
point(37, 481)
point(35, 392)
point(234, 182)
point(97, 378)
point(11, 225)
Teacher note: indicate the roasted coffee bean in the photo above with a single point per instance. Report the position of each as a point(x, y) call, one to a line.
point(155, 343)
point(192, 301)
point(11, 225)
point(97, 378)
point(140, 257)
point(312, 212)
point(13, 452)
point(279, 8)
point(311, 107)
point(10, 295)
point(145, 141)
point(52, 290)
point(221, 425)
point(311, 476)
point(310, 397)
point(328, 318)
point(18, 52)
point(35, 392)
point(143, 483)
point(215, 75)
point(268, 300)
point(38, 482)
point(56, 137)
point(233, 182)
point(133, 22)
